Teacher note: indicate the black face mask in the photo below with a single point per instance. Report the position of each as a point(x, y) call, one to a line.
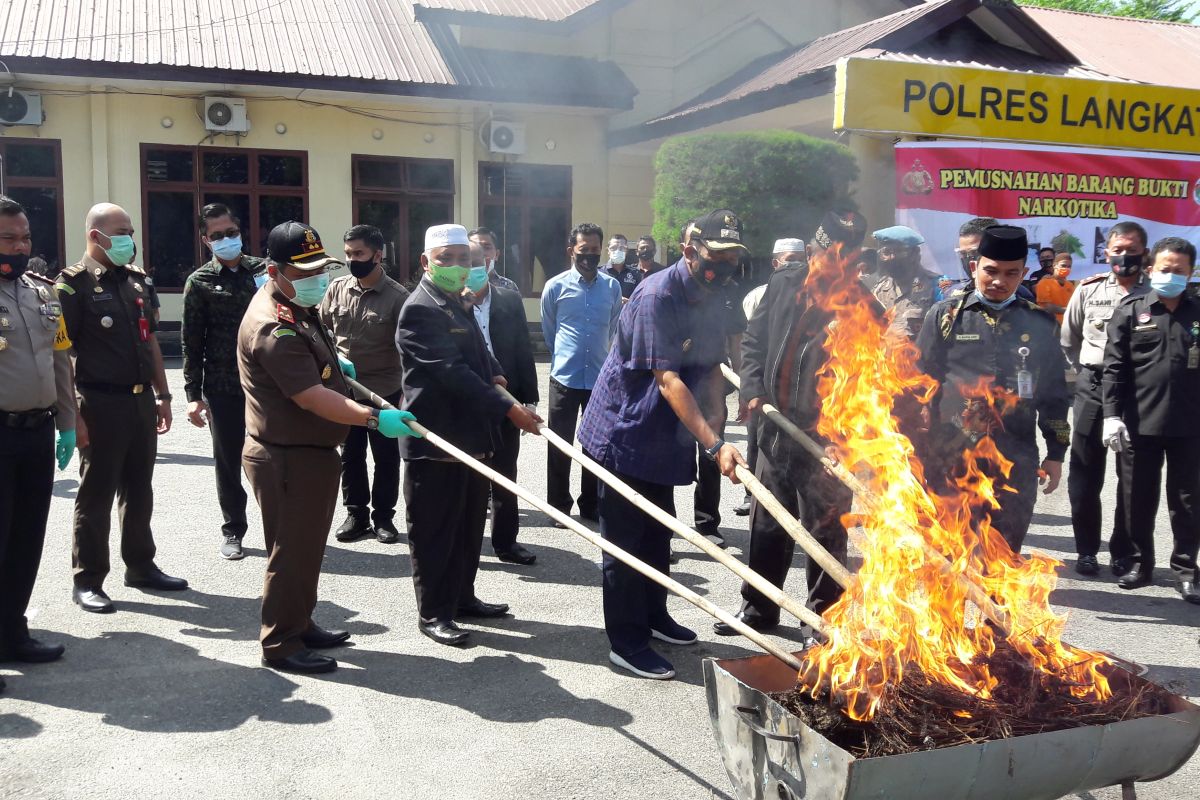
point(715, 273)
point(587, 262)
point(646, 254)
point(12, 267)
point(1127, 265)
point(361, 269)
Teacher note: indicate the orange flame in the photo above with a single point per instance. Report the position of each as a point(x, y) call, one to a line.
point(906, 608)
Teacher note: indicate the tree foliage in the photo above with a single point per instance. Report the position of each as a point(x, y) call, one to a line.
point(1167, 10)
point(779, 182)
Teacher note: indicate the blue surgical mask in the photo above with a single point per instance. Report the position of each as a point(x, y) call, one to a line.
point(260, 280)
point(477, 278)
point(992, 304)
point(309, 291)
point(1168, 284)
point(228, 248)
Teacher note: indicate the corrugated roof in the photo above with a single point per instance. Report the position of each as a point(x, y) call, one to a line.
point(1148, 51)
point(983, 55)
point(543, 10)
point(347, 44)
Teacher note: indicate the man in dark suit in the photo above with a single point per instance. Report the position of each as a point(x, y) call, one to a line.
point(500, 315)
point(448, 377)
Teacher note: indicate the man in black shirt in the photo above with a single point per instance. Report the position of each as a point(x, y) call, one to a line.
point(618, 270)
point(1151, 390)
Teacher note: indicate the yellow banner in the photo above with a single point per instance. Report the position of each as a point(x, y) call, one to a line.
point(933, 100)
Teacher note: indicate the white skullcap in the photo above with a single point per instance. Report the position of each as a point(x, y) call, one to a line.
point(445, 235)
point(788, 246)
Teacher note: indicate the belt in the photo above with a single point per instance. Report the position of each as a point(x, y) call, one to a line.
point(113, 388)
point(26, 420)
point(265, 443)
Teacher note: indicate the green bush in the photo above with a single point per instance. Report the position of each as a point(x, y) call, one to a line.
point(779, 182)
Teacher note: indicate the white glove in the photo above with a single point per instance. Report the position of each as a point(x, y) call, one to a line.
point(1115, 435)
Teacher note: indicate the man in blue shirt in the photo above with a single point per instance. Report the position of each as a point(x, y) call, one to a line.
point(579, 314)
point(644, 420)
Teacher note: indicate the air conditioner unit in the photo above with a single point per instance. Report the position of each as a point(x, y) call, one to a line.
point(225, 115)
point(506, 137)
point(20, 108)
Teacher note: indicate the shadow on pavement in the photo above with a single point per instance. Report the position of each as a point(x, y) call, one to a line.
point(1064, 543)
point(15, 726)
point(185, 459)
point(1180, 680)
point(712, 791)
point(374, 560)
point(1051, 519)
point(66, 488)
point(1131, 607)
point(167, 687)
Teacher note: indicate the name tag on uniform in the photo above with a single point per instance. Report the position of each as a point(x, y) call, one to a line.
point(1150, 327)
point(99, 297)
point(458, 330)
point(967, 337)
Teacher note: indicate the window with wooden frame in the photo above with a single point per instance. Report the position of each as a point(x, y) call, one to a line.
point(262, 187)
point(529, 208)
point(402, 197)
point(31, 174)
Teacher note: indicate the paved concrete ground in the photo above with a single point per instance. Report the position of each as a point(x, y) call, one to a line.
point(166, 697)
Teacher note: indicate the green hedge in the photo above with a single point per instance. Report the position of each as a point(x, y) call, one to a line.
point(781, 183)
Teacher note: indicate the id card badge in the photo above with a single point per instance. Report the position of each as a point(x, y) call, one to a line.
point(1024, 377)
point(1194, 350)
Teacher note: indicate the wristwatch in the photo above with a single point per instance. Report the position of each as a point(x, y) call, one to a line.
point(373, 420)
point(163, 397)
point(716, 448)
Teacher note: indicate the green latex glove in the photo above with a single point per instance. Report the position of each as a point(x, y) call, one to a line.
point(392, 423)
point(347, 368)
point(64, 448)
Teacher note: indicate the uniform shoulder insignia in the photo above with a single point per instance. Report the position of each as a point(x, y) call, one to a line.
point(1093, 279)
point(73, 270)
point(283, 313)
point(135, 269)
point(279, 333)
point(37, 277)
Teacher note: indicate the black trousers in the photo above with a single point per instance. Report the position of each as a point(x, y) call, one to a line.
point(1016, 494)
point(818, 500)
point(752, 443)
point(633, 603)
point(566, 406)
point(117, 464)
point(505, 520)
point(1142, 467)
point(26, 483)
point(707, 498)
point(377, 498)
point(446, 503)
point(1085, 481)
point(228, 430)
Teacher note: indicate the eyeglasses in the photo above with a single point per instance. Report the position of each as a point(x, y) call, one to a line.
point(217, 236)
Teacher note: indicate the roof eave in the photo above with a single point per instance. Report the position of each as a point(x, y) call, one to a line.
point(479, 19)
point(1030, 30)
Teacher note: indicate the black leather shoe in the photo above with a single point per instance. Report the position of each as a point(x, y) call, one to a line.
point(443, 632)
point(353, 528)
point(2, 684)
point(482, 610)
point(1188, 591)
point(1087, 565)
point(94, 600)
point(516, 555)
point(751, 618)
point(305, 662)
point(317, 638)
point(591, 515)
point(31, 651)
point(744, 509)
point(155, 578)
point(1121, 565)
point(386, 533)
point(1136, 578)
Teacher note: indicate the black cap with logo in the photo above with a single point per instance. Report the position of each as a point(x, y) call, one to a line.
point(719, 230)
point(298, 245)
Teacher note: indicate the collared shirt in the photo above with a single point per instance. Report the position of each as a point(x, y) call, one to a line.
point(282, 350)
point(1085, 323)
point(578, 320)
point(103, 309)
point(483, 316)
point(496, 279)
point(35, 362)
point(1152, 366)
point(909, 301)
point(627, 277)
point(363, 322)
point(628, 426)
point(1050, 292)
point(215, 299)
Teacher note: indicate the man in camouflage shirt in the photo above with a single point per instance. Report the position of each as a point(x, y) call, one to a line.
point(215, 298)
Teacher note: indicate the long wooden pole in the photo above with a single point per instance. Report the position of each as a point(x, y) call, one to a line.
point(574, 526)
point(974, 591)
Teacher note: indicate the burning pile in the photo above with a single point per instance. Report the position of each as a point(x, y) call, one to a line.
point(905, 635)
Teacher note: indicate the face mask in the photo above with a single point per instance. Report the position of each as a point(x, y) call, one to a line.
point(13, 266)
point(587, 262)
point(491, 265)
point(617, 257)
point(645, 253)
point(361, 269)
point(715, 273)
point(1168, 284)
point(260, 280)
point(309, 291)
point(228, 248)
point(120, 250)
point(992, 304)
point(477, 278)
point(450, 278)
point(1127, 265)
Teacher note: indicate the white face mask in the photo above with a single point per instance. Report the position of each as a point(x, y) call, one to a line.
point(617, 257)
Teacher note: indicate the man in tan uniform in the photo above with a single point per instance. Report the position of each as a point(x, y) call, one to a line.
point(37, 394)
point(298, 410)
point(109, 320)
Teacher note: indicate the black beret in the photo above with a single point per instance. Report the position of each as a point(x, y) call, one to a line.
point(1004, 243)
point(845, 227)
